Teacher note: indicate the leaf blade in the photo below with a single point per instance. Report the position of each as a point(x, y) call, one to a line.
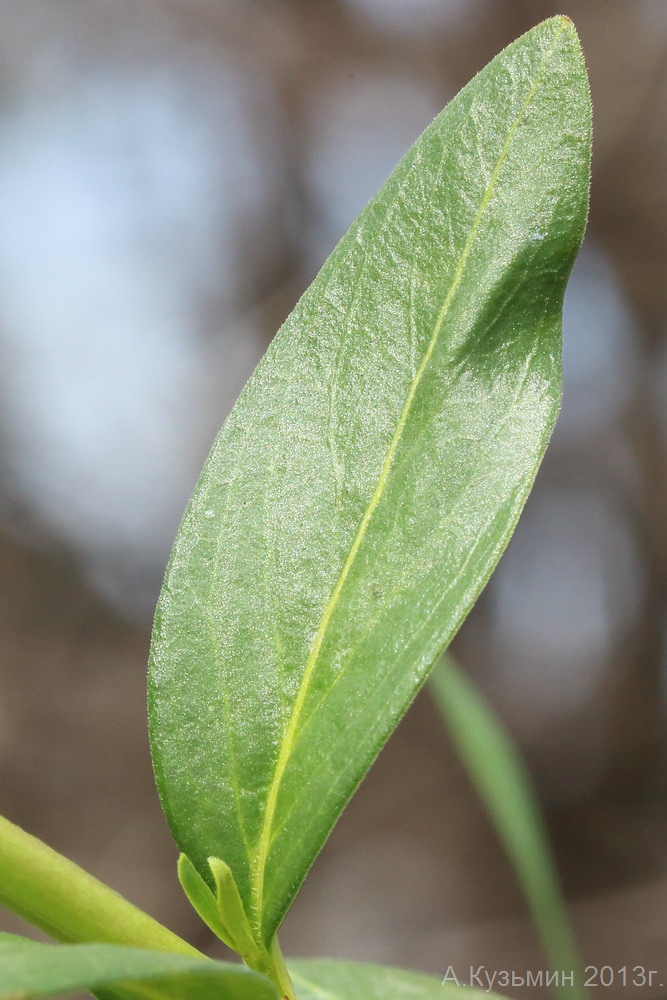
point(322, 979)
point(306, 600)
point(29, 969)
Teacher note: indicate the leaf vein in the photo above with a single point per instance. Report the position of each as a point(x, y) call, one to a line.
point(288, 741)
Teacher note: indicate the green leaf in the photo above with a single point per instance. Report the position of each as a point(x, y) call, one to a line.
point(504, 786)
point(328, 980)
point(203, 901)
point(225, 915)
point(29, 969)
point(369, 477)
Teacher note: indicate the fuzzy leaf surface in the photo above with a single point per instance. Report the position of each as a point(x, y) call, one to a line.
point(29, 969)
point(369, 477)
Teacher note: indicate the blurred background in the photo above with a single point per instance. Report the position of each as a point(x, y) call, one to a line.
point(172, 175)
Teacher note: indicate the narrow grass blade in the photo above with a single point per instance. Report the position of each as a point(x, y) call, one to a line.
point(501, 780)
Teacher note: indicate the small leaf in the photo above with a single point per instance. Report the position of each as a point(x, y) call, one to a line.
point(203, 900)
point(225, 915)
point(232, 913)
point(29, 969)
point(369, 477)
point(505, 789)
point(329, 980)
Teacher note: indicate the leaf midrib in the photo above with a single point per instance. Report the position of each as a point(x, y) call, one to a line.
point(289, 736)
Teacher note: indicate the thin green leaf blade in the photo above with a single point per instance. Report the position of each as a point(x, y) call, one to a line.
point(367, 481)
point(321, 979)
point(29, 969)
point(203, 901)
point(504, 787)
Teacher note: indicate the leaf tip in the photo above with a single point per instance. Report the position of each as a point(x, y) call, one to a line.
point(558, 23)
point(566, 23)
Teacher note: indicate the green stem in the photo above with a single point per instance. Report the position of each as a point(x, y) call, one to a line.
point(279, 974)
point(70, 905)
